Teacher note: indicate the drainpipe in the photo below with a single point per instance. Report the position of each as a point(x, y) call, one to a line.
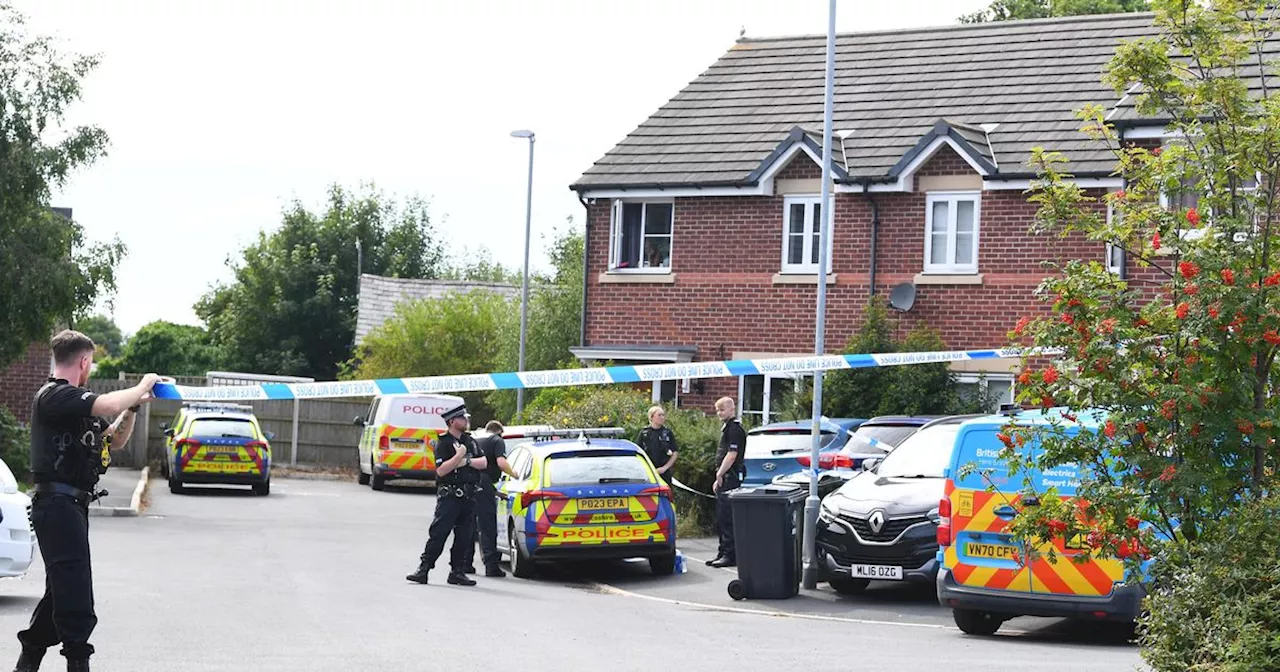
point(586, 249)
point(875, 229)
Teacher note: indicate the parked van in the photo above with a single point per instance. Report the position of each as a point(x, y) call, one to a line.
point(984, 578)
point(399, 439)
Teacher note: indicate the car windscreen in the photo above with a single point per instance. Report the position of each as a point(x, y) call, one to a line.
point(893, 435)
point(222, 427)
point(925, 454)
point(772, 442)
point(594, 468)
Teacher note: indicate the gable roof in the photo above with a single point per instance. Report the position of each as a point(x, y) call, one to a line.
point(893, 91)
point(379, 296)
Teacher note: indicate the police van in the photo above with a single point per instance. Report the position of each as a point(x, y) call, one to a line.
point(399, 437)
point(984, 577)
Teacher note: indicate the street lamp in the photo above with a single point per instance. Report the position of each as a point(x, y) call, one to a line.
point(524, 285)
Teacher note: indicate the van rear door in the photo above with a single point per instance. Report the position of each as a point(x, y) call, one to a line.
point(983, 554)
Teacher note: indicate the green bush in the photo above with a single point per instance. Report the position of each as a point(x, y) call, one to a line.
point(697, 435)
point(15, 446)
point(1216, 607)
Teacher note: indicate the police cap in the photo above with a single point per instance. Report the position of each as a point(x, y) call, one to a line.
point(459, 411)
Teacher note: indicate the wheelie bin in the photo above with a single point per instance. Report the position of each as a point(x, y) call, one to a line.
point(768, 532)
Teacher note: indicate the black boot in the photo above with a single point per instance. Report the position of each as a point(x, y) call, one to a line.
point(494, 571)
point(419, 576)
point(81, 665)
point(460, 579)
point(29, 660)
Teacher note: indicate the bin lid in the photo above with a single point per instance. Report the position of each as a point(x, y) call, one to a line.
point(774, 491)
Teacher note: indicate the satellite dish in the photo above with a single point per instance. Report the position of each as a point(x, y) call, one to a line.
point(903, 297)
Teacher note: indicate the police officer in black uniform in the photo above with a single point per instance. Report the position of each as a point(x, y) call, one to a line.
point(659, 443)
point(458, 472)
point(494, 449)
point(69, 425)
point(730, 470)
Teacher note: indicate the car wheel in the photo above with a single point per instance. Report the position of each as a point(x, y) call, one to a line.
point(737, 589)
point(361, 477)
point(974, 622)
point(849, 586)
point(663, 565)
point(521, 566)
point(175, 486)
point(262, 489)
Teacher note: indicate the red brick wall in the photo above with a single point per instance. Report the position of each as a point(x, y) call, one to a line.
point(19, 382)
point(727, 250)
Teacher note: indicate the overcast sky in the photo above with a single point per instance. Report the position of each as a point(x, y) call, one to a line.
point(221, 113)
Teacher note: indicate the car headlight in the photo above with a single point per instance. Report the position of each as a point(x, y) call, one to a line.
point(828, 511)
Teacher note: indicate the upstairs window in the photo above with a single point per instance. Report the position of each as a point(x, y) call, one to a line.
point(641, 239)
point(801, 229)
point(951, 232)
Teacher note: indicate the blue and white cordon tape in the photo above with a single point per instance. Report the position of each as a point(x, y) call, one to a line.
point(572, 377)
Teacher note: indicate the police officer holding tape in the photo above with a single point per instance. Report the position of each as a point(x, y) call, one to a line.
point(458, 471)
point(69, 429)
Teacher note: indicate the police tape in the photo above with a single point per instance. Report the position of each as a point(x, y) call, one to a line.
point(609, 375)
point(676, 482)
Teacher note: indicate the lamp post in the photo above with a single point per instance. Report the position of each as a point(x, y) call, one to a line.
point(811, 504)
point(524, 285)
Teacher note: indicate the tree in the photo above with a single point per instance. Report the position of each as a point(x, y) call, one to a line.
point(457, 334)
point(1183, 360)
point(104, 333)
point(292, 307)
point(1007, 10)
point(165, 348)
point(911, 390)
point(51, 274)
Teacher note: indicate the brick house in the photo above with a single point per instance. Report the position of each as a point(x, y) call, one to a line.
point(702, 223)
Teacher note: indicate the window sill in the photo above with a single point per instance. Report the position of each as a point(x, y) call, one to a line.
point(801, 278)
point(637, 278)
point(948, 279)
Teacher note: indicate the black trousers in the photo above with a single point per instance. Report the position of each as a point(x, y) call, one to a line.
point(724, 517)
point(65, 613)
point(486, 527)
point(454, 515)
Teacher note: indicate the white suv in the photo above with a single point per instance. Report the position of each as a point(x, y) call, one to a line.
point(17, 537)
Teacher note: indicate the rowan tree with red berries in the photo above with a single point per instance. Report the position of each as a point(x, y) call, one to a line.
point(1179, 356)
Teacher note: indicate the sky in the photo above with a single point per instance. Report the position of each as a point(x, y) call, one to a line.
point(221, 114)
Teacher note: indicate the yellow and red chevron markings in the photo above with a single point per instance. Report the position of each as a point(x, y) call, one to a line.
point(974, 511)
point(419, 457)
point(560, 523)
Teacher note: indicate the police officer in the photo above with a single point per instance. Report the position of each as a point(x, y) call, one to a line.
point(494, 449)
point(730, 470)
point(458, 467)
point(68, 427)
point(659, 443)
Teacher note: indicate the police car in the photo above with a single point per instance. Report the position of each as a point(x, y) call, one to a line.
point(17, 537)
point(590, 496)
point(216, 443)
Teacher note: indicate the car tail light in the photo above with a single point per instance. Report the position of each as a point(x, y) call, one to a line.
point(528, 498)
point(188, 444)
point(840, 461)
point(261, 445)
point(384, 442)
point(659, 490)
point(944, 522)
point(805, 461)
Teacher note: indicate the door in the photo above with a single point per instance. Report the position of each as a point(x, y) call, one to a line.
point(763, 397)
point(508, 488)
point(367, 436)
point(983, 503)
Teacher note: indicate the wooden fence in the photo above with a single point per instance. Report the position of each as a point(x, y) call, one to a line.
point(326, 435)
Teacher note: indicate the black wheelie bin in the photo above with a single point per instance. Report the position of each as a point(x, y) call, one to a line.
point(768, 533)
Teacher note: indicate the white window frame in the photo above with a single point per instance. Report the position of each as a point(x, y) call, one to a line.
point(950, 267)
point(615, 235)
point(982, 380)
point(809, 201)
point(1108, 252)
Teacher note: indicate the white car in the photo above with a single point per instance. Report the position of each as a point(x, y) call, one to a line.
point(17, 537)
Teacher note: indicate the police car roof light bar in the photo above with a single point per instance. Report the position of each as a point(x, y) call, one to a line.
point(601, 432)
point(217, 406)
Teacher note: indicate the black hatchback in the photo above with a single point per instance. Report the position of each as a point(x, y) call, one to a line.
point(882, 524)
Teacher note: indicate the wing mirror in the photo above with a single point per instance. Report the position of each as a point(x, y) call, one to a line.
point(870, 463)
point(358, 422)
point(271, 436)
point(168, 431)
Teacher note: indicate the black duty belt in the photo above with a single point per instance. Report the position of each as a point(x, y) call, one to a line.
point(84, 497)
point(456, 490)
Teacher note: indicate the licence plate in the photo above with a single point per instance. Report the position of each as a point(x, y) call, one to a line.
point(407, 445)
point(601, 503)
point(878, 572)
point(993, 551)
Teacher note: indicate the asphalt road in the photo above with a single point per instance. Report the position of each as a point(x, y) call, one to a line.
point(312, 578)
